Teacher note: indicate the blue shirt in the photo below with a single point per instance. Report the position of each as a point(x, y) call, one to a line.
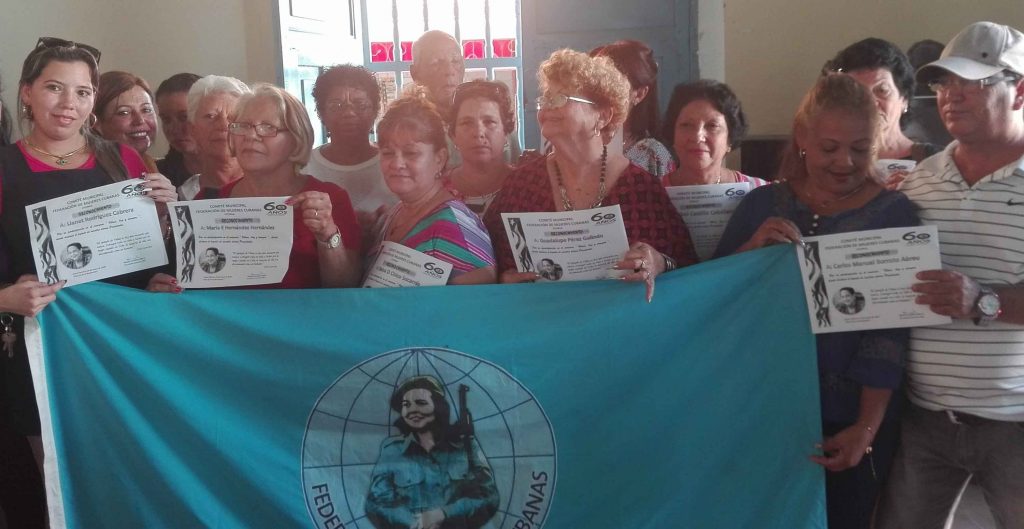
point(408, 480)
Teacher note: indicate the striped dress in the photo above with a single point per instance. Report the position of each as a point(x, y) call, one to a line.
point(962, 366)
point(451, 233)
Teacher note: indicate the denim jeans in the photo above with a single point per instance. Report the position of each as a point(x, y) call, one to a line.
point(935, 458)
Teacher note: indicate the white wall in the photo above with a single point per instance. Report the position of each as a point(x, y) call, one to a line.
point(775, 49)
point(151, 38)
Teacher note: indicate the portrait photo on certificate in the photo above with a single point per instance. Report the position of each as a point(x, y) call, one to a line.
point(568, 245)
point(861, 280)
point(231, 242)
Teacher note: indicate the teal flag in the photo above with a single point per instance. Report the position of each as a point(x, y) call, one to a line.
point(505, 406)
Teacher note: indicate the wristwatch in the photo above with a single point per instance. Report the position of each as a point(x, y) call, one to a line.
point(987, 305)
point(333, 242)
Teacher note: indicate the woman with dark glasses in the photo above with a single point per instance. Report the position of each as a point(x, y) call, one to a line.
point(58, 156)
point(479, 123)
point(584, 102)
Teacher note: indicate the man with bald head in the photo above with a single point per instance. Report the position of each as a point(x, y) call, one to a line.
point(438, 67)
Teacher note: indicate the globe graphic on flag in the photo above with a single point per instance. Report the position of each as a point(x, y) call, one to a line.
point(352, 418)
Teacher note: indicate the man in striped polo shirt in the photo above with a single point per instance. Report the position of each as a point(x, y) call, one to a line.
point(966, 380)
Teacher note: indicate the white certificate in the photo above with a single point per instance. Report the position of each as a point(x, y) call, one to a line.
point(401, 266)
point(887, 168)
point(706, 210)
point(102, 232)
point(861, 280)
point(231, 242)
point(568, 245)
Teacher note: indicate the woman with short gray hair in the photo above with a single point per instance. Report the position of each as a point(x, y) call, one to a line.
point(211, 106)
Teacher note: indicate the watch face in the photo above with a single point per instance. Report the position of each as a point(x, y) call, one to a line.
point(334, 241)
point(988, 304)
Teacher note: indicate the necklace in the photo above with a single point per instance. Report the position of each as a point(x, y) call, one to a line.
point(824, 204)
point(601, 191)
point(62, 160)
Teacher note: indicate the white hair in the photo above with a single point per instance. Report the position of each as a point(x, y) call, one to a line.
point(213, 84)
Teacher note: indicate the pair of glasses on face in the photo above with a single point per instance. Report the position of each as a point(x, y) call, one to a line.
point(968, 86)
point(54, 42)
point(360, 106)
point(263, 130)
point(559, 101)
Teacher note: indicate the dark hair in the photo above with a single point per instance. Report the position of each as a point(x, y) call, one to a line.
point(636, 61)
point(831, 92)
point(719, 95)
point(495, 91)
point(442, 410)
point(113, 84)
point(348, 75)
point(108, 154)
point(872, 53)
point(417, 115)
point(76, 245)
point(5, 122)
point(851, 290)
point(179, 82)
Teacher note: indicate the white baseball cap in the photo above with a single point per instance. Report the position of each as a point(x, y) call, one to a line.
point(980, 50)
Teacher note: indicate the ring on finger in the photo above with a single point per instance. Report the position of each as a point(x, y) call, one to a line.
point(316, 213)
point(643, 264)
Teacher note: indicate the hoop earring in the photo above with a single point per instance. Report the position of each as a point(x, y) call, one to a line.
point(91, 122)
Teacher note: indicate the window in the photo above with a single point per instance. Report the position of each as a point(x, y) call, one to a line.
point(488, 30)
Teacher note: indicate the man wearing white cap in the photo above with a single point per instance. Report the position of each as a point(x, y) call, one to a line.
point(966, 380)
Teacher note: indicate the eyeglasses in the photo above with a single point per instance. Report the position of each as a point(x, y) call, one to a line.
point(263, 130)
point(967, 86)
point(54, 42)
point(359, 105)
point(559, 101)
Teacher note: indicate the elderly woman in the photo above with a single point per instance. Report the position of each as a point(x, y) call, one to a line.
point(413, 153)
point(348, 100)
point(584, 102)
point(704, 122)
point(479, 123)
point(182, 160)
point(885, 70)
point(211, 103)
point(636, 61)
point(272, 137)
point(427, 477)
point(125, 112)
point(827, 188)
point(58, 155)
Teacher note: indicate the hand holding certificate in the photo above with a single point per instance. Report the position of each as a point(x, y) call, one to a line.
point(567, 245)
point(232, 242)
point(102, 232)
point(862, 280)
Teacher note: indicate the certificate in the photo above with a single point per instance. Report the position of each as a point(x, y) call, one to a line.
point(234, 241)
point(400, 266)
point(861, 280)
point(94, 234)
point(706, 210)
point(888, 168)
point(568, 245)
